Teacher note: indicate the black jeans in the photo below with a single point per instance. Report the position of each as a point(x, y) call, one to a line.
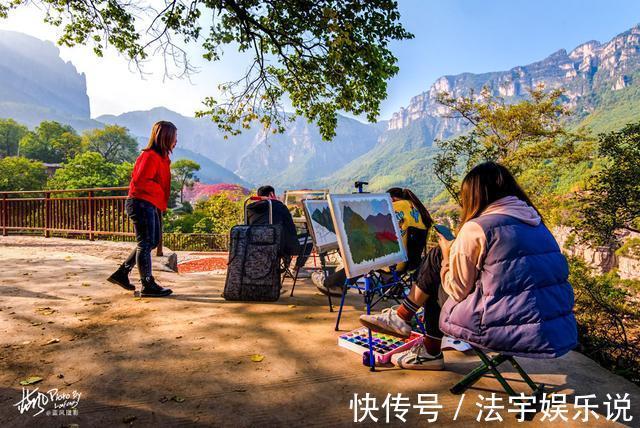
point(429, 282)
point(146, 221)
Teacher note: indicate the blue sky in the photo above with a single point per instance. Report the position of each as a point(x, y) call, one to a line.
point(452, 36)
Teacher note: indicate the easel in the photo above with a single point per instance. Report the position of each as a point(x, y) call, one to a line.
point(373, 285)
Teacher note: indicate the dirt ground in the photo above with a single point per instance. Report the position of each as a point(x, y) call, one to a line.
point(187, 360)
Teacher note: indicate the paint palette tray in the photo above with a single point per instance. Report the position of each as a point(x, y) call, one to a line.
point(384, 345)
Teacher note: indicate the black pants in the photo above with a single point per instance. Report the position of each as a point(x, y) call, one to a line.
point(429, 282)
point(146, 221)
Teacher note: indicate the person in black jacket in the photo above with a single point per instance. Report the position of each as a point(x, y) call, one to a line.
point(258, 213)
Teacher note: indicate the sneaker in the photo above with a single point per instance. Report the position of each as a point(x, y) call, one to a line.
point(387, 322)
point(417, 358)
point(318, 280)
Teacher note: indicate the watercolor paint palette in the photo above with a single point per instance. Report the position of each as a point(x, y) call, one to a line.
point(384, 345)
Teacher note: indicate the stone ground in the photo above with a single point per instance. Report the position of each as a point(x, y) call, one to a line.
point(186, 360)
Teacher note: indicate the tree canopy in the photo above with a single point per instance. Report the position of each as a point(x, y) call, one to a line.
point(524, 136)
point(322, 55)
point(11, 132)
point(51, 142)
point(113, 142)
point(18, 173)
point(90, 169)
point(612, 199)
point(184, 173)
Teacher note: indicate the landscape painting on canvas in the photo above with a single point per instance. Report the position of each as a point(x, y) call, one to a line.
point(293, 200)
point(367, 230)
point(320, 224)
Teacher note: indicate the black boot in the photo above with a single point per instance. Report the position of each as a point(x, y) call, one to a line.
point(151, 289)
point(121, 278)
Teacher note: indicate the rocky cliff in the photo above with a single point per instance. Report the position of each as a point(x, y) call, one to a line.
point(36, 84)
point(589, 68)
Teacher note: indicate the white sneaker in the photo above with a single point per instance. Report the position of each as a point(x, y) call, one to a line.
point(387, 322)
point(417, 358)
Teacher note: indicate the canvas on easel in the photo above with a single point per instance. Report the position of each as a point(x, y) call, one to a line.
point(293, 200)
point(368, 233)
point(320, 224)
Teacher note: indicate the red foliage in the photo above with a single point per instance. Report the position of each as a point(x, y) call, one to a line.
point(204, 191)
point(203, 265)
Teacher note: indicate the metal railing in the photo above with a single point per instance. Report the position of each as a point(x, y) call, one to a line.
point(92, 213)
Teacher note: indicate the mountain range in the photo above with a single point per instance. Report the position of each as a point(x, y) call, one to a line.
point(600, 79)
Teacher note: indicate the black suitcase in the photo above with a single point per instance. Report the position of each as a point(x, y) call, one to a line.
point(253, 270)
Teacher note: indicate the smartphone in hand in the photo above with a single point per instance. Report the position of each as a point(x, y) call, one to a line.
point(444, 231)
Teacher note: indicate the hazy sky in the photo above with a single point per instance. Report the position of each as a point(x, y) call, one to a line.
point(452, 36)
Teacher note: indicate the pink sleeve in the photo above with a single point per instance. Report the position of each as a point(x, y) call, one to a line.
point(460, 272)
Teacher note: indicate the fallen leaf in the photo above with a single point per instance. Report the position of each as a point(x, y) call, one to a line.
point(177, 399)
point(26, 342)
point(200, 338)
point(292, 306)
point(36, 324)
point(256, 358)
point(52, 341)
point(197, 348)
point(240, 390)
point(178, 337)
point(308, 317)
point(31, 380)
point(85, 298)
point(86, 284)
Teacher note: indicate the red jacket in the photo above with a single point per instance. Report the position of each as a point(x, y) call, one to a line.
point(151, 179)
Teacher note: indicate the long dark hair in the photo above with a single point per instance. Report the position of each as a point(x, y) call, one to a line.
point(408, 195)
point(163, 134)
point(485, 184)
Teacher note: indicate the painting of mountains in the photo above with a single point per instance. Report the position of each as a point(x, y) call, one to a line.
point(368, 234)
point(320, 225)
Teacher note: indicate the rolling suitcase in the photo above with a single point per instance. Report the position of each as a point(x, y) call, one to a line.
point(253, 270)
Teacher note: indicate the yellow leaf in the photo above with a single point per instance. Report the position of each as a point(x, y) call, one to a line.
point(31, 380)
point(256, 358)
point(292, 306)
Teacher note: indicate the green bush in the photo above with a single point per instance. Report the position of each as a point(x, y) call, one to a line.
point(607, 319)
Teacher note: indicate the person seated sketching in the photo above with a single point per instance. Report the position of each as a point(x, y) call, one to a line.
point(501, 285)
point(414, 221)
point(258, 213)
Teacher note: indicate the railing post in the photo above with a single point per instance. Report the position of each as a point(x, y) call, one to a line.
point(92, 215)
point(5, 215)
point(47, 213)
point(159, 249)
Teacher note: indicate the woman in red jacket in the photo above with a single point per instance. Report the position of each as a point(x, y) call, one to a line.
point(148, 196)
